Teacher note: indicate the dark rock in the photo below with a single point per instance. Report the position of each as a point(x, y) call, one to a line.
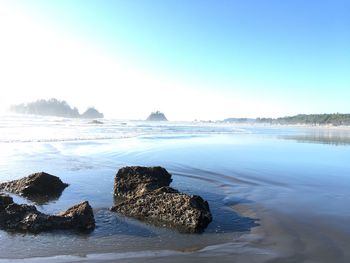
point(36, 185)
point(138, 180)
point(5, 200)
point(96, 122)
point(82, 215)
point(26, 218)
point(157, 116)
point(189, 214)
point(146, 195)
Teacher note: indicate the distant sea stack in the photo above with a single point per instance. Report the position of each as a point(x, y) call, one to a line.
point(92, 113)
point(54, 107)
point(157, 116)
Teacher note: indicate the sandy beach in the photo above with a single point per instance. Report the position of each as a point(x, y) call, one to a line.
point(277, 194)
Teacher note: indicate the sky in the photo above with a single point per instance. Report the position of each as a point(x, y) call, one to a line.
point(191, 59)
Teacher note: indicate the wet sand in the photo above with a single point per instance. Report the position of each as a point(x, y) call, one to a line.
point(275, 196)
point(279, 238)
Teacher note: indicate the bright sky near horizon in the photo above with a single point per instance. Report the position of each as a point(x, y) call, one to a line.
point(191, 59)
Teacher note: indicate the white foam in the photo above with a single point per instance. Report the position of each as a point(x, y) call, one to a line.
point(97, 257)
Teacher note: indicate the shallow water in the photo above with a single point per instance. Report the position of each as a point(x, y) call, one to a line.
point(277, 194)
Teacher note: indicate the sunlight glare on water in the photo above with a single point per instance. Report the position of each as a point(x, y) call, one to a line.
point(291, 176)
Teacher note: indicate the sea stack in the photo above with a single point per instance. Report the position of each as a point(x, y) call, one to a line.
point(92, 113)
point(54, 107)
point(157, 116)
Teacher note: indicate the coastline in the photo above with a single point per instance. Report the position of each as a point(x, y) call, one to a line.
point(279, 238)
point(304, 126)
point(297, 191)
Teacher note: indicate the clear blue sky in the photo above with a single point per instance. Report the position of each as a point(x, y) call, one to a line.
point(293, 56)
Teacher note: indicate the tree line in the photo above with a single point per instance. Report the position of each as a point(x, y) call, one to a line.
point(335, 119)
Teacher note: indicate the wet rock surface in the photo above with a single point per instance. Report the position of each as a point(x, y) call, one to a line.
point(81, 215)
point(146, 195)
point(5, 200)
point(26, 218)
point(133, 181)
point(36, 186)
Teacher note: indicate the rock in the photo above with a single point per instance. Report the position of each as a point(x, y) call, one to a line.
point(146, 195)
point(54, 107)
point(95, 122)
point(26, 218)
point(92, 113)
point(157, 116)
point(82, 215)
point(137, 180)
point(36, 185)
point(5, 200)
point(188, 214)
point(51, 107)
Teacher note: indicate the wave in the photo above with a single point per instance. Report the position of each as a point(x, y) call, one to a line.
point(67, 139)
point(20, 129)
point(103, 257)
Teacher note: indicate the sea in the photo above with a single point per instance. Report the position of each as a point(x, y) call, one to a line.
point(277, 193)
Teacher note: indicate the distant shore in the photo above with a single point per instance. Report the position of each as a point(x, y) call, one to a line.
point(306, 126)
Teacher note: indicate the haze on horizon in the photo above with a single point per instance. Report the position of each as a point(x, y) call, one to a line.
point(189, 59)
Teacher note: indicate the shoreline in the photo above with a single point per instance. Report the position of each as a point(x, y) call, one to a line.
point(243, 248)
point(306, 126)
point(279, 238)
point(297, 191)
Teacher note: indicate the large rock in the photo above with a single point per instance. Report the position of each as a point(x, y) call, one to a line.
point(26, 218)
point(92, 113)
point(167, 207)
point(54, 107)
point(157, 116)
point(147, 196)
point(36, 185)
point(137, 180)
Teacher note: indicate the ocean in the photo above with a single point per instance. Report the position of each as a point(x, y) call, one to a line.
point(277, 193)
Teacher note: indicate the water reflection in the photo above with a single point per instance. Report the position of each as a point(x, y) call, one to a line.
point(332, 137)
point(43, 199)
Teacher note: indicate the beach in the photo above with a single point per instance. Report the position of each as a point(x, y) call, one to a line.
point(277, 193)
